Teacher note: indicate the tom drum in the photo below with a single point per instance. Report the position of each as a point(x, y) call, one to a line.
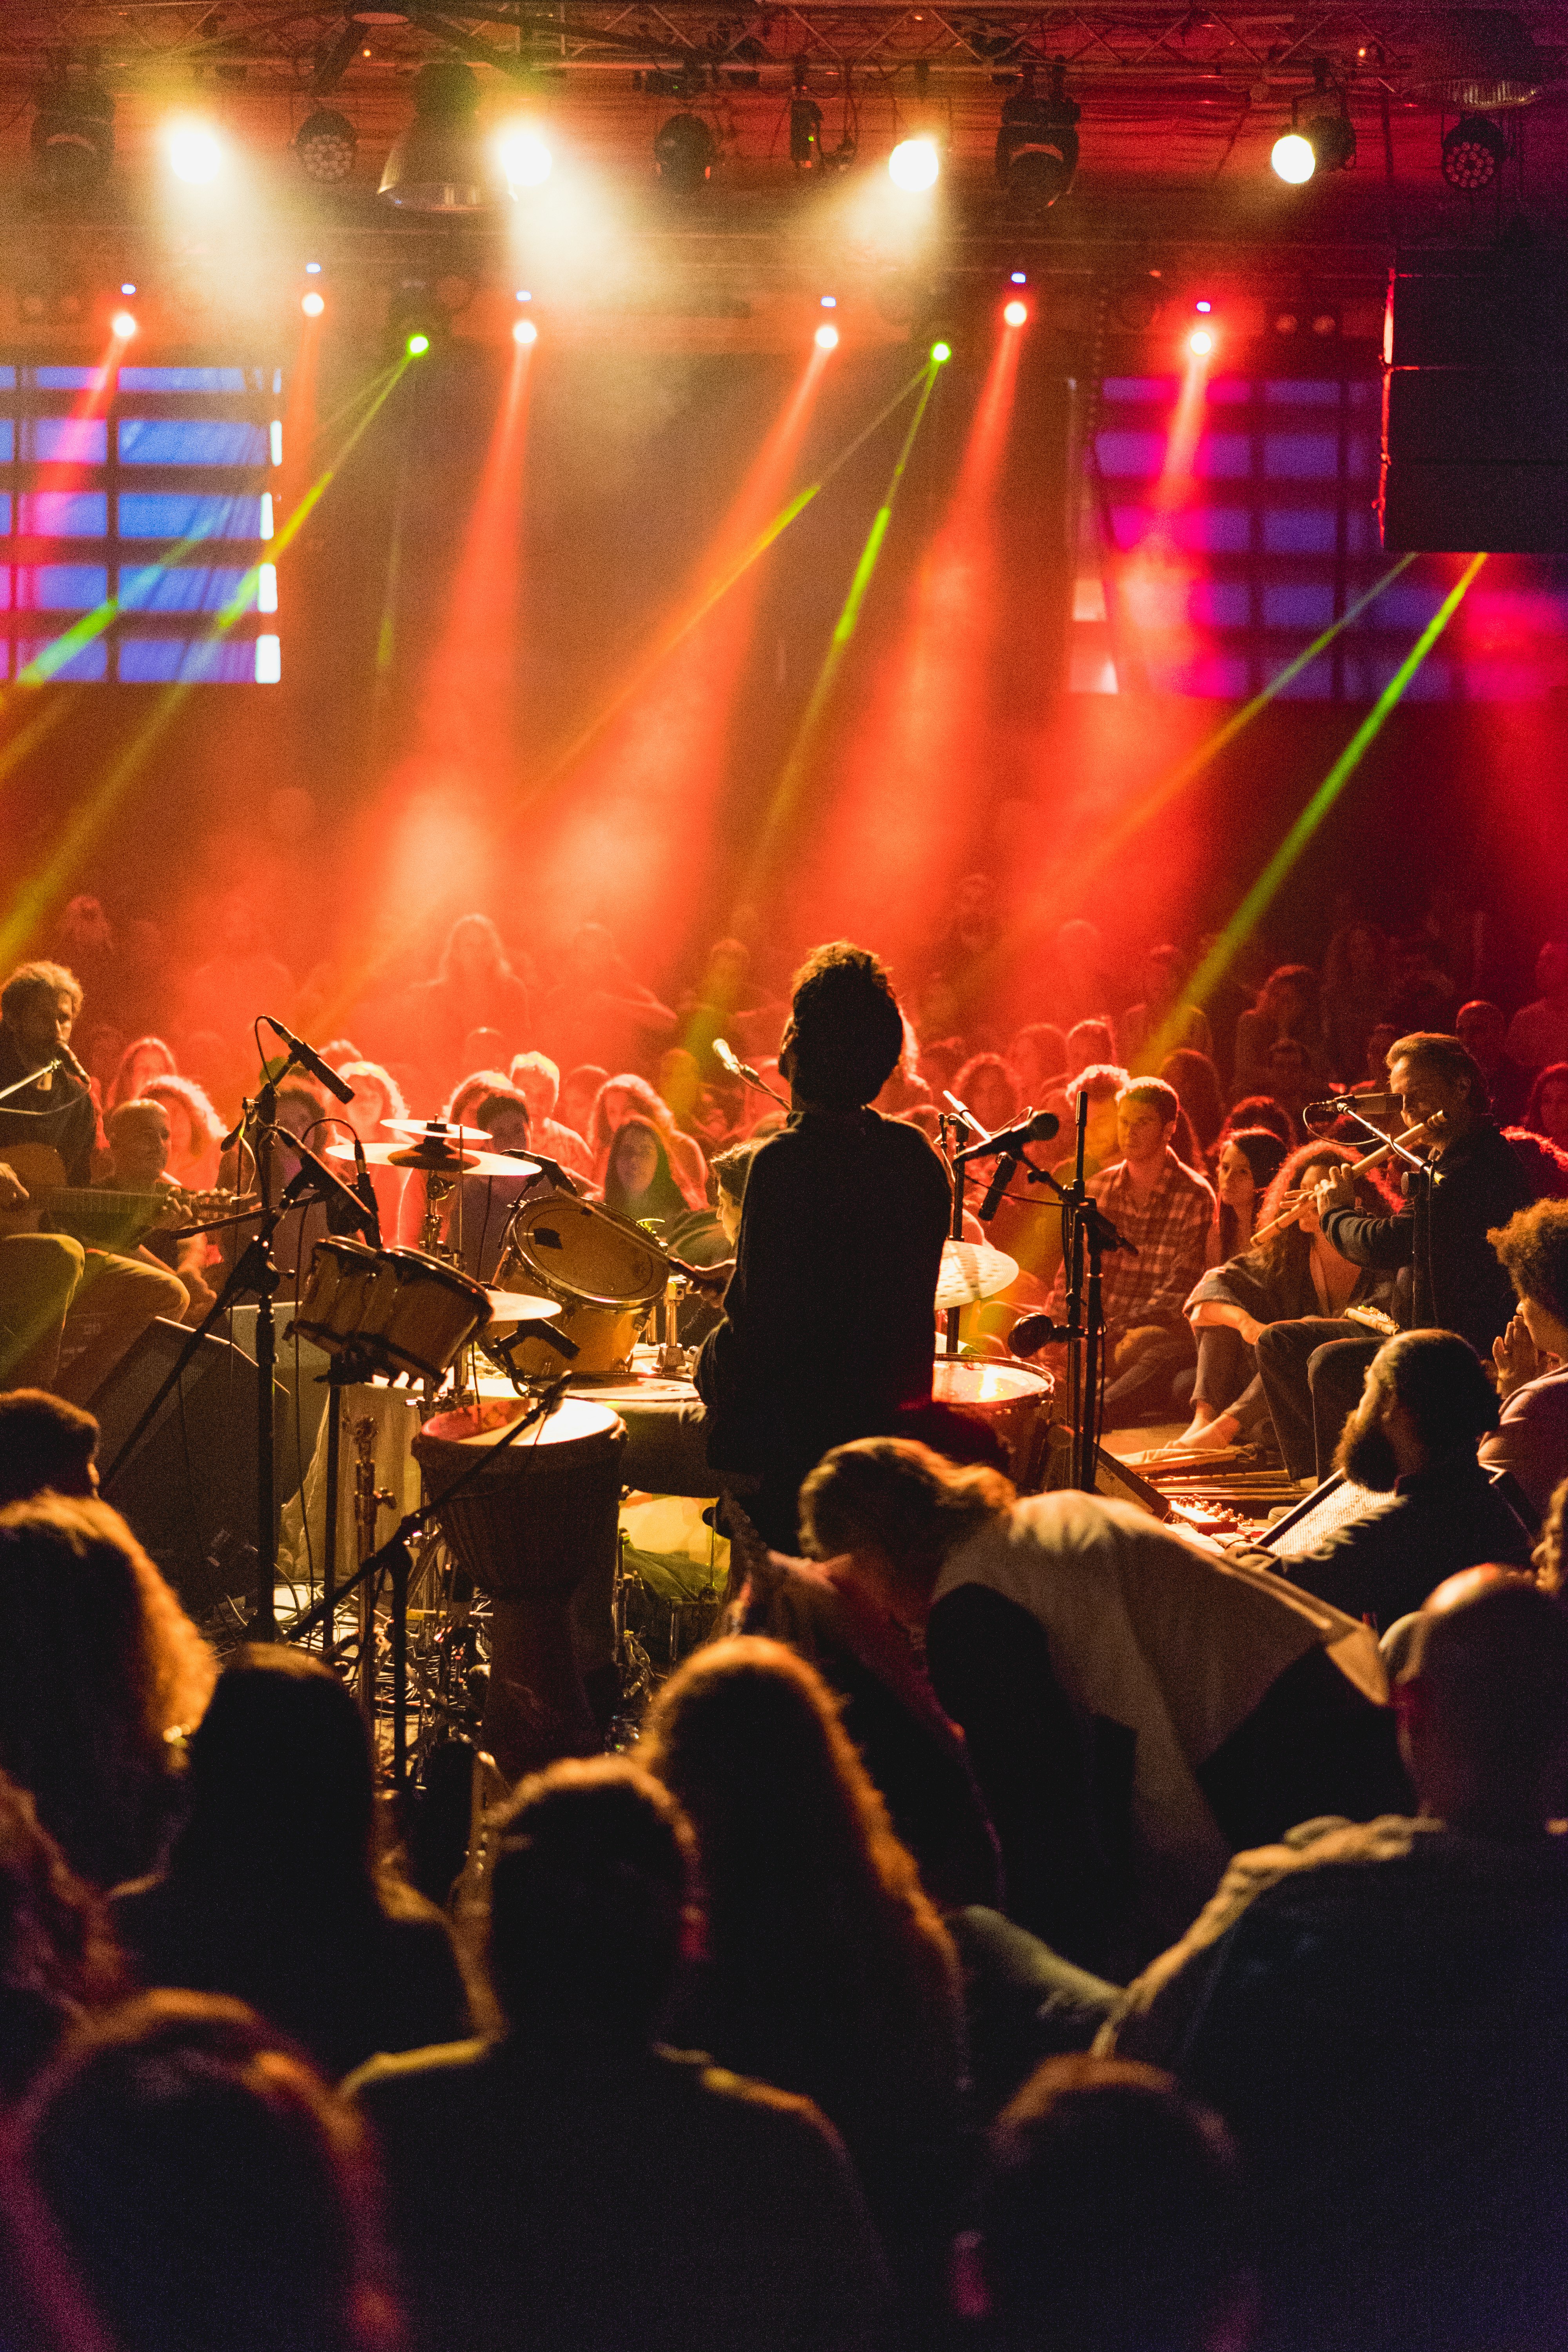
point(604, 1273)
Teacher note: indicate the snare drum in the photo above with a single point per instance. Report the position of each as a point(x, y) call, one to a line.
point(1016, 1401)
point(604, 1273)
point(402, 1310)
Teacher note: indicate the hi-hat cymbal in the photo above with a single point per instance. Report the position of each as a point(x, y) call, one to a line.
point(438, 1130)
point(519, 1306)
point(971, 1271)
point(422, 1160)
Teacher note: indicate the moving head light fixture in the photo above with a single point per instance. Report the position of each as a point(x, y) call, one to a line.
point(1321, 138)
point(73, 129)
point(1474, 150)
point(684, 153)
point(1037, 140)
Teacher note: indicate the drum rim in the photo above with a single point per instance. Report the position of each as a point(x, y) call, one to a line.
point(1032, 1379)
point(452, 1277)
point(556, 1286)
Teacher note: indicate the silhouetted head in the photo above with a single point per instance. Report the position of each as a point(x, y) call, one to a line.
point(281, 1781)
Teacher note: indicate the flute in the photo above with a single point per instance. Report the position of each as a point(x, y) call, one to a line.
point(1301, 1201)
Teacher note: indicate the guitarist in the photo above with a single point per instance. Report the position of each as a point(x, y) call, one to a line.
point(65, 1337)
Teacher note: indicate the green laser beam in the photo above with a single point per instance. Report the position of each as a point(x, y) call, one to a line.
point(1220, 956)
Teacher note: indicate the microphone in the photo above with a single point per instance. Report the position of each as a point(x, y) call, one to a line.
point(1336, 1106)
point(334, 1191)
point(559, 1179)
point(309, 1059)
point(1005, 1170)
point(1030, 1333)
point(726, 1059)
point(366, 1188)
point(1039, 1128)
point(64, 1055)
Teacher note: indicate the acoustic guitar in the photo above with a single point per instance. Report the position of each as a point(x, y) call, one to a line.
point(100, 1220)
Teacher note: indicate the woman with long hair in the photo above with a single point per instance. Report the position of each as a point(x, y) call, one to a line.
point(625, 1096)
point(1547, 1113)
point(274, 1891)
point(143, 1058)
point(1196, 1082)
point(1293, 1273)
point(377, 1098)
point(1248, 1160)
point(639, 1180)
point(100, 1670)
point(828, 1972)
point(57, 1959)
point(195, 1131)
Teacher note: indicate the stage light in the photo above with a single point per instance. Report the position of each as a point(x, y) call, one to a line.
point(196, 154)
point(1285, 323)
point(1019, 278)
point(1015, 313)
point(312, 269)
point(123, 326)
point(1037, 142)
point(1473, 153)
point(73, 132)
point(525, 332)
point(830, 301)
point(827, 339)
point(417, 346)
point(684, 153)
point(941, 353)
point(1200, 342)
point(326, 145)
point(914, 166)
point(441, 164)
point(312, 304)
point(127, 287)
point(1203, 306)
point(525, 159)
point(1293, 159)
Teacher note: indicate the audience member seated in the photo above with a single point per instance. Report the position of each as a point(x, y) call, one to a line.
point(207, 2187)
point(538, 1081)
point(629, 1097)
point(572, 2184)
point(1423, 995)
point(1545, 1165)
point(1531, 1441)
point(1134, 1706)
point(478, 1210)
point(474, 987)
point(1293, 1273)
point(143, 1058)
point(1379, 2012)
point(1547, 1111)
point(1248, 1160)
point(273, 1890)
point(47, 1446)
point(1292, 1081)
point(137, 1134)
point(1357, 987)
point(1287, 1007)
point(915, 1756)
point(992, 1090)
point(195, 1131)
point(579, 1095)
point(243, 978)
point(99, 1670)
point(1112, 2216)
point(639, 1184)
point(826, 1970)
point(1481, 1029)
point(1036, 1055)
point(57, 1957)
point(1080, 988)
point(1090, 1041)
point(1260, 1110)
point(1164, 1210)
point(1538, 1033)
point(1147, 1033)
point(1411, 1441)
point(1196, 1082)
point(597, 1007)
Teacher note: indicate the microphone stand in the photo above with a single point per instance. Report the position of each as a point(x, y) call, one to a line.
point(736, 1068)
point(954, 1126)
point(32, 1078)
point(1087, 1234)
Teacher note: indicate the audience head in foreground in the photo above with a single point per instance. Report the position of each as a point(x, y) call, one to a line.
point(1483, 1705)
point(47, 1445)
point(1427, 1403)
point(208, 2189)
point(1113, 2218)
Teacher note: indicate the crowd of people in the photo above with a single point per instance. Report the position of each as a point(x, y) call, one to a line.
point(1023, 1926)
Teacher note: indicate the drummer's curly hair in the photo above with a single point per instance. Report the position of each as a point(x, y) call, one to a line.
point(911, 1504)
point(845, 1030)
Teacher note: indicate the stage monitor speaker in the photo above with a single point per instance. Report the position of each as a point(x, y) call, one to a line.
point(1475, 404)
point(189, 1488)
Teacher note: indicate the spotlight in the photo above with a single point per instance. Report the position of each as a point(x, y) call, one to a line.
point(1293, 159)
point(1015, 313)
point(123, 326)
point(1200, 342)
point(325, 143)
point(684, 153)
point(312, 269)
point(417, 346)
point(312, 304)
point(1473, 153)
point(830, 301)
point(1204, 305)
point(525, 332)
point(127, 287)
point(525, 159)
point(1020, 278)
point(73, 132)
point(1037, 142)
point(914, 166)
point(941, 353)
point(1285, 323)
point(827, 339)
point(805, 132)
point(195, 155)
point(441, 164)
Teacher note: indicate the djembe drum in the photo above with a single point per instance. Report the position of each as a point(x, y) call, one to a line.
point(536, 1525)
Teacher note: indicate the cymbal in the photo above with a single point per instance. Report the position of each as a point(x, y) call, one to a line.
point(438, 1130)
point(971, 1271)
point(414, 1160)
point(519, 1306)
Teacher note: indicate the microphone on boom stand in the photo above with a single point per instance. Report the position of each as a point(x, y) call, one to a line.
point(727, 1060)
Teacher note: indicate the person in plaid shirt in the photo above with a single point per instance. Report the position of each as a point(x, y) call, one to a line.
point(1167, 1213)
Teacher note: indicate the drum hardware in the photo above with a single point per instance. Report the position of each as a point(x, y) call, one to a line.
point(673, 1361)
point(397, 1555)
point(369, 1501)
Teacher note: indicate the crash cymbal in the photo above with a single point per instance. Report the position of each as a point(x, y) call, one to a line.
point(519, 1306)
point(971, 1271)
point(438, 1130)
point(423, 1161)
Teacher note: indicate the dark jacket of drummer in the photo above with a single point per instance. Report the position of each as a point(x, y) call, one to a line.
point(829, 1318)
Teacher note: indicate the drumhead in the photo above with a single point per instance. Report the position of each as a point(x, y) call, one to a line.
point(413, 1266)
point(967, 1380)
point(573, 1420)
point(581, 1252)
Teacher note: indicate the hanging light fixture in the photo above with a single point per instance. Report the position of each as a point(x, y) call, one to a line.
point(326, 145)
point(684, 153)
point(441, 164)
point(1037, 142)
point(1473, 153)
point(73, 131)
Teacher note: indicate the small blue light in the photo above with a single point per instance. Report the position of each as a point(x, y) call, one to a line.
point(312, 269)
point(523, 295)
point(127, 287)
point(1205, 307)
point(1019, 278)
point(830, 301)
